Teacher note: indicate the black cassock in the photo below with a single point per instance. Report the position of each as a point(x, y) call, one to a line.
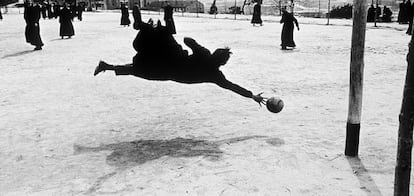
point(32, 31)
point(288, 21)
point(168, 18)
point(137, 17)
point(125, 16)
point(256, 19)
point(65, 20)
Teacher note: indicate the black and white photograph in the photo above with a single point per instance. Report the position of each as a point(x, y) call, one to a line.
point(206, 97)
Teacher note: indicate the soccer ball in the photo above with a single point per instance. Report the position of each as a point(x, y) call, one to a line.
point(274, 104)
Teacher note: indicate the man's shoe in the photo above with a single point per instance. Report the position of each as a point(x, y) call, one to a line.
point(100, 68)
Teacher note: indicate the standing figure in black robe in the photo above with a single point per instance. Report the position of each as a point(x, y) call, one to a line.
point(1, 16)
point(56, 10)
point(43, 10)
point(371, 14)
point(257, 14)
point(401, 13)
point(387, 14)
point(80, 9)
point(65, 20)
point(73, 10)
point(288, 21)
point(168, 18)
point(49, 11)
point(159, 57)
point(124, 15)
point(379, 12)
point(32, 31)
point(410, 14)
point(136, 13)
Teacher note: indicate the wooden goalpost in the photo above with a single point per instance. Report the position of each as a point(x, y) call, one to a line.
point(356, 77)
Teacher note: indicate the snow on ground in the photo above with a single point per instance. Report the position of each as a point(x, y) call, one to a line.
point(66, 132)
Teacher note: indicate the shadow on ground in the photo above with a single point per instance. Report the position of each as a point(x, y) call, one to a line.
point(129, 154)
point(18, 53)
point(365, 180)
point(141, 151)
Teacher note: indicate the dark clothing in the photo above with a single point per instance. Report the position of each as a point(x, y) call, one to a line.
point(32, 31)
point(43, 10)
point(408, 11)
point(168, 18)
point(136, 13)
point(1, 16)
point(160, 57)
point(80, 9)
point(56, 10)
point(125, 16)
point(410, 14)
point(256, 19)
point(288, 21)
point(49, 11)
point(401, 14)
point(65, 20)
point(73, 11)
point(386, 16)
point(371, 14)
point(379, 12)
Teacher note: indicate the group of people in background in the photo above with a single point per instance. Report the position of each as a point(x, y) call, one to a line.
point(378, 14)
point(33, 11)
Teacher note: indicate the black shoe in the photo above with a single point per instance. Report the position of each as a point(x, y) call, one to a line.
point(38, 48)
point(100, 68)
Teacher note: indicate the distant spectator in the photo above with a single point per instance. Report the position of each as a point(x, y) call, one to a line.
point(288, 21)
point(80, 10)
point(136, 13)
point(32, 31)
point(371, 14)
point(168, 18)
point(378, 10)
point(401, 14)
point(124, 15)
point(73, 10)
point(43, 9)
point(386, 16)
point(65, 20)
point(49, 10)
point(56, 10)
point(1, 16)
point(410, 13)
point(257, 19)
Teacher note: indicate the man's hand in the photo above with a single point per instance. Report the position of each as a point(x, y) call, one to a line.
point(259, 99)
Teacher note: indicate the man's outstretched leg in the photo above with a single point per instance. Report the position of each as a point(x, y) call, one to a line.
point(119, 69)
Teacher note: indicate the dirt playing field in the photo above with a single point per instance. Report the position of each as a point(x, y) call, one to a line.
point(66, 132)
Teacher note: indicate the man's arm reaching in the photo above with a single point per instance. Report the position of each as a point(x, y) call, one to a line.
point(224, 83)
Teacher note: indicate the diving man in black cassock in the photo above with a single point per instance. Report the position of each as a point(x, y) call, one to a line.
point(160, 57)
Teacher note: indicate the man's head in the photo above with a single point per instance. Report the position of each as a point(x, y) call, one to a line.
point(221, 56)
